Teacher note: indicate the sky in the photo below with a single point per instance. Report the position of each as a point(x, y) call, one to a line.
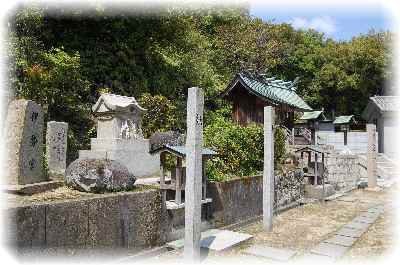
point(339, 21)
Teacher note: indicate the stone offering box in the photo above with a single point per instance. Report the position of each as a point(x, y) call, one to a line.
point(119, 135)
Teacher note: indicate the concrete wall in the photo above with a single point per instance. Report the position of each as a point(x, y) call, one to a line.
point(130, 220)
point(357, 142)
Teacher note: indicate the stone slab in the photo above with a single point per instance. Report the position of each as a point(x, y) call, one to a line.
point(350, 232)
point(330, 250)
point(177, 244)
point(370, 215)
point(374, 210)
point(341, 240)
point(347, 199)
point(357, 225)
point(317, 258)
point(223, 240)
point(33, 188)
point(278, 254)
point(215, 239)
point(365, 219)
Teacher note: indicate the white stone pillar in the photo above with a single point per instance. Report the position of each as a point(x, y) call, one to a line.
point(371, 156)
point(268, 173)
point(193, 187)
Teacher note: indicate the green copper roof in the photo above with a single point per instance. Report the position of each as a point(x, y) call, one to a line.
point(311, 115)
point(276, 91)
point(343, 119)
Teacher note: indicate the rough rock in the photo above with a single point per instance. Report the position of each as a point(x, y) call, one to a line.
point(98, 175)
point(160, 139)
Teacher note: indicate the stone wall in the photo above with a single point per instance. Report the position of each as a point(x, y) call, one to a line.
point(342, 171)
point(130, 220)
point(240, 199)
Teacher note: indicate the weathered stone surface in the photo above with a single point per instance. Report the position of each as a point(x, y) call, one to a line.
point(98, 175)
point(345, 231)
point(268, 170)
point(131, 220)
point(330, 250)
point(56, 148)
point(278, 254)
point(357, 225)
point(26, 226)
point(106, 225)
point(341, 240)
point(160, 139)
point(67, 224)
point(23, 139)
point(193, 188)
point(223, 240)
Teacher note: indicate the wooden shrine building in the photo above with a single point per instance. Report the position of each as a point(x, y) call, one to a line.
point(250, 93)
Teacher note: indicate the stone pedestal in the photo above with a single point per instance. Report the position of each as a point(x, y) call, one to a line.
point(133, 153)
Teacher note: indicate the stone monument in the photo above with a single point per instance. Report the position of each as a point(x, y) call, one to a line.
point(371, 156)
point(56, 149)
point(268, 172)
point(23, 140)
point(119, 135)
point(193, 188)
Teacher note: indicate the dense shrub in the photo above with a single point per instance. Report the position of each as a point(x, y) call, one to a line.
point(240, 149)
point(160, 115)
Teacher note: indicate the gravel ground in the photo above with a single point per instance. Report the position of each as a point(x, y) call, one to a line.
point(304, 227)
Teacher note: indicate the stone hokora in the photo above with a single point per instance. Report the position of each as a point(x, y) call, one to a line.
point(119, 135)
point(24, 139)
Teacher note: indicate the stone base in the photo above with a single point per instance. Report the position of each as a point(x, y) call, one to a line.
point(317, 191)
point(132, 153)
point(34, 188)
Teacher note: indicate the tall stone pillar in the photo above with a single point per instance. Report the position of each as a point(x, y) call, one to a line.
point(194, 145)
point(371, 156)
point(268, 173)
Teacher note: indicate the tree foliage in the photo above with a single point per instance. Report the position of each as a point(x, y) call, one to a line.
point(61, 58)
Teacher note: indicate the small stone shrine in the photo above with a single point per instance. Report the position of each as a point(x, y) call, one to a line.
point(56, 149)
point(23, 139)
point(119, 135)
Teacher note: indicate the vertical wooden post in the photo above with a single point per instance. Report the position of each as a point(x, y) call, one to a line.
point(316, 168)
point(162, 176)
point(178, 180)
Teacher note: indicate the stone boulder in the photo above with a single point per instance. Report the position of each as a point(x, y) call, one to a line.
point(160, 139)
point(98, 175)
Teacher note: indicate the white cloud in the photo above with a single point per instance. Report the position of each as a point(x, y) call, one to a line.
point(325, 24)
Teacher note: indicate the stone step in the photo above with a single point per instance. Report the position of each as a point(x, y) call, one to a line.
point(215, 239)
